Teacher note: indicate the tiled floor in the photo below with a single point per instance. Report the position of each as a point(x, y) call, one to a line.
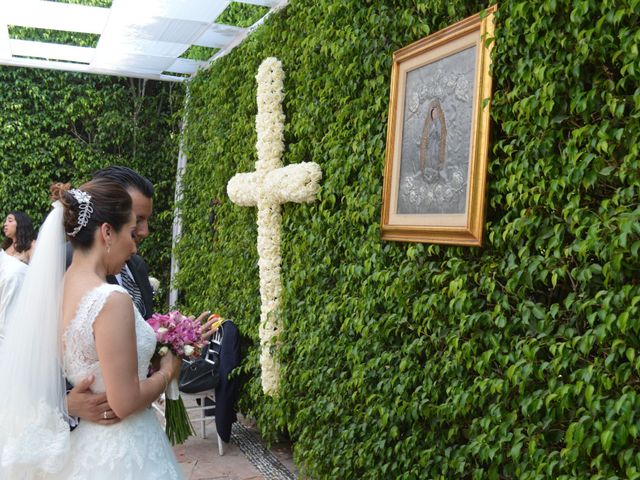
point(200, 460)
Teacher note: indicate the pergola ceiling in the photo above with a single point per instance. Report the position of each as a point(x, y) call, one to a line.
point(137, 38)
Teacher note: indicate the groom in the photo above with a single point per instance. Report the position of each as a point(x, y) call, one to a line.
point(134, 278)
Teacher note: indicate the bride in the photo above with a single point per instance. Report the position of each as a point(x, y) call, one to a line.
point(78, 326)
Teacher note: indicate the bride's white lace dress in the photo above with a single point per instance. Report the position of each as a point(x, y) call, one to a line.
point(136, 447)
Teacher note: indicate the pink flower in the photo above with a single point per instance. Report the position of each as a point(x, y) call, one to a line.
point(176, 331)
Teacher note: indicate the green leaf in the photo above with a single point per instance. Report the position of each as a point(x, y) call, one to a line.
point(606, 437)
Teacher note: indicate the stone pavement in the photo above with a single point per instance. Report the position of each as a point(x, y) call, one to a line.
point(245, 456)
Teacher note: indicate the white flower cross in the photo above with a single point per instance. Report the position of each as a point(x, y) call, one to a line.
point(268, 188)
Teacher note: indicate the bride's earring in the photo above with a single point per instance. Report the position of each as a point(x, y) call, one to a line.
point(108, 248)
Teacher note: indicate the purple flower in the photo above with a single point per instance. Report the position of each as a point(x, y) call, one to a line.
point(175, 331)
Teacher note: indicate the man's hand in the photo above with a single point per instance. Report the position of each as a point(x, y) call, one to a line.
point(206, 328)
point(93, 407)
point(207, 332)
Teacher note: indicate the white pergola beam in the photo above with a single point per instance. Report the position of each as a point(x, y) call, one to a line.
point(53, 51)
point(152, 34)
point(219, 36)
point(55, 16)
point(81, 68)
point(194, 10)
point(185, 66)
point(137, 38)
point(5, 48)
point(122, 46)
point(260, 3)
point(135, 62)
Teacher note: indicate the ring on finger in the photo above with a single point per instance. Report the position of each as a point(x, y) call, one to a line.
point(104, 415)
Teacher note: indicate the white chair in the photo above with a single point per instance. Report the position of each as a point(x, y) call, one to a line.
point(196, 408)
point(195, 402)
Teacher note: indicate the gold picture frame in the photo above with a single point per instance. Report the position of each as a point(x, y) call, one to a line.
point(438, 135)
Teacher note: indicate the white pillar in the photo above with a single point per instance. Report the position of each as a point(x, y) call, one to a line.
point(177, 218)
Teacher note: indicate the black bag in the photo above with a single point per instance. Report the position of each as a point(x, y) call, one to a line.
point(202, 374)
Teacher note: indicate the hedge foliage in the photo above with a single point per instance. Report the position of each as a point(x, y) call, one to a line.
point(59, 126)
point(520, 359)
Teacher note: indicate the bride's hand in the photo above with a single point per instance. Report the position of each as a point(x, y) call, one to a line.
point(170, 364)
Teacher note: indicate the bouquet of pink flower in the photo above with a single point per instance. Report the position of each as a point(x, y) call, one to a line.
point(182, 336)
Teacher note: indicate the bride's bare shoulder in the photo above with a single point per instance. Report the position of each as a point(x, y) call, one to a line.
point(79, 289)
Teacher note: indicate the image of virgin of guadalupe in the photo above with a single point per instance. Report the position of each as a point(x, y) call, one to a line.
point(436, 136)
point(437, 184)
point(433, 144)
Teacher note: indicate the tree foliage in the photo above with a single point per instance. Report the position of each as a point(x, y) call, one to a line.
point(59, 126)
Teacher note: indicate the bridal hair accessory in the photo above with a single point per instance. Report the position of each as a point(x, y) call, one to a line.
point(85, 207)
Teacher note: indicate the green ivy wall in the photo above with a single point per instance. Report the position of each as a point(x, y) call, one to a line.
point(519, 359)
point(58, 126)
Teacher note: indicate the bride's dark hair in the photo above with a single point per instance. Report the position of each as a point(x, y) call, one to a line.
point(110, 204)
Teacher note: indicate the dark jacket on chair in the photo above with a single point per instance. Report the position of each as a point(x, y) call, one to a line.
point(227, 389)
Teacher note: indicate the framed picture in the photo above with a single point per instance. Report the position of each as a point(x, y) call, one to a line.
point(437, 138)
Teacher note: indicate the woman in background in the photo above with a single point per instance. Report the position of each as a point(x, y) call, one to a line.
point(12, 272)
point(19, 235)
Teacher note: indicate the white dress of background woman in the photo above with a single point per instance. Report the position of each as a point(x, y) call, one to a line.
point(80, 328)
point(12, 273)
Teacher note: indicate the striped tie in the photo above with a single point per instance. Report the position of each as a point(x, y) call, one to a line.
point(132, 288)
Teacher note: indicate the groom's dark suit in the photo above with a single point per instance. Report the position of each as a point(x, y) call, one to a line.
point(140, 273)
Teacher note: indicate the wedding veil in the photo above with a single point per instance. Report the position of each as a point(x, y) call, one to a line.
point(34, 432)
